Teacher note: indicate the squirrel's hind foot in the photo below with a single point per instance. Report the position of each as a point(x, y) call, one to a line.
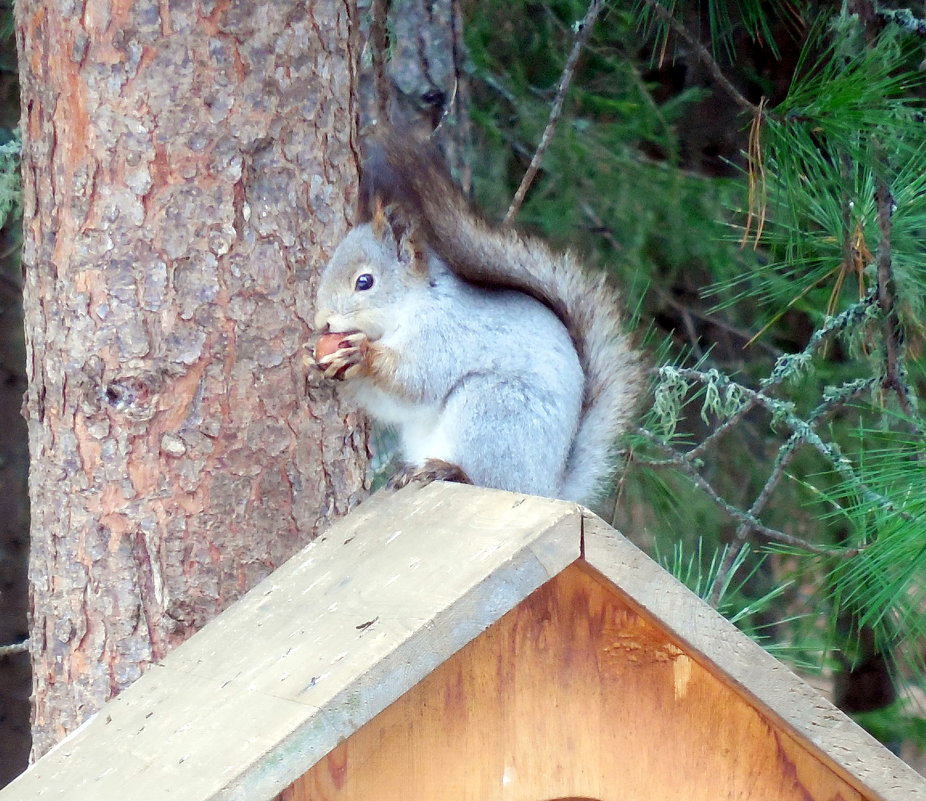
point(430, 470)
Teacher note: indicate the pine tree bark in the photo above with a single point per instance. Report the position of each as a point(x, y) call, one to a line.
point(188, 167)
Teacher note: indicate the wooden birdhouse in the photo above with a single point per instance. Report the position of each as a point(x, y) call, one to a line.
point(461, 644)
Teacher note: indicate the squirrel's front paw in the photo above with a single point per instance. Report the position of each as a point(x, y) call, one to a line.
point(348, 360)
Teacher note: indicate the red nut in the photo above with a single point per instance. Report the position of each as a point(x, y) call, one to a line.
point(328, 344)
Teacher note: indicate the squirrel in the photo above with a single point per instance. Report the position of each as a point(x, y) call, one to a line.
point(500, 362)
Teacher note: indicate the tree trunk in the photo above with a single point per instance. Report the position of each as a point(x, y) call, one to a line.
point(188, 168)
point(415, 76)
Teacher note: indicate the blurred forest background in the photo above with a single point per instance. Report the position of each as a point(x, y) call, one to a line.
point(753, 174)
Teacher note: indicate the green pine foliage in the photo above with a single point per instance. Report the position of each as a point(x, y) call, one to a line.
point(883, 583)
point(779, 279)
point(10, 179)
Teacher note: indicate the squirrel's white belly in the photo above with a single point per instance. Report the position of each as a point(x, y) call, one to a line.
point(382, 406)
point(421, 427)
point(427, 437)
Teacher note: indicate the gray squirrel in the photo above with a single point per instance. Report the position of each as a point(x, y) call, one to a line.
point(499, 362)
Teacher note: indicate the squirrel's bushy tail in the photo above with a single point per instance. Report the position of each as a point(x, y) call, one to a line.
point(398, 169)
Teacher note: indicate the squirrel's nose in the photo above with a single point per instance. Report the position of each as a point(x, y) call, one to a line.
point(322, 321)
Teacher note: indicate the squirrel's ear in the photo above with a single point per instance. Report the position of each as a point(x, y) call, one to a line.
point(378, 218)
point(393, 227)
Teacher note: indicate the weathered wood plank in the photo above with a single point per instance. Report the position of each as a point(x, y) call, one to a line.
point(316, 650)
point(572, 694)
point(610, 681)
point(723, 650)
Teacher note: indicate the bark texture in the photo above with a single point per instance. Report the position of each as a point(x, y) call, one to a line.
point(422, 73)
point(188, 167)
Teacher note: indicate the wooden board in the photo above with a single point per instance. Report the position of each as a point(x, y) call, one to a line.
point(572, 694)
point(610, 682)
point(713, 642)
point(316, 650)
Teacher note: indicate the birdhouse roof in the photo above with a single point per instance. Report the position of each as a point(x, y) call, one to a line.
point(365, 613)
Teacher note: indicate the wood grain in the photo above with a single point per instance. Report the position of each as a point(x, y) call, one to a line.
point(572, 694)
point(330, 639)
point(713, 642)
point(457, 643)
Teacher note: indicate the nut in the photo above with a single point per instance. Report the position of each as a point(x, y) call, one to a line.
point(328, 344)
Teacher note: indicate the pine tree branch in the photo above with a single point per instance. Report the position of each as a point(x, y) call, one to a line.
point(895, 374)
point(786, 366)
point(583, 32)
point(791, 363)
point(14, 648)
point(803, 433)
point(747, 520)
point(379, 41)
point(749, 523)
point(715, 320)
point(704, 56)
point(782, 411)
point(905, 18)
point(741, 536)
point(834, 399)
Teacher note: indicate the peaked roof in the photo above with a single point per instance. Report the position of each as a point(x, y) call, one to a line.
point(362, 615)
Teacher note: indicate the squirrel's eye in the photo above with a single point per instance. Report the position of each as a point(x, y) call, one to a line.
point(364, 281)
